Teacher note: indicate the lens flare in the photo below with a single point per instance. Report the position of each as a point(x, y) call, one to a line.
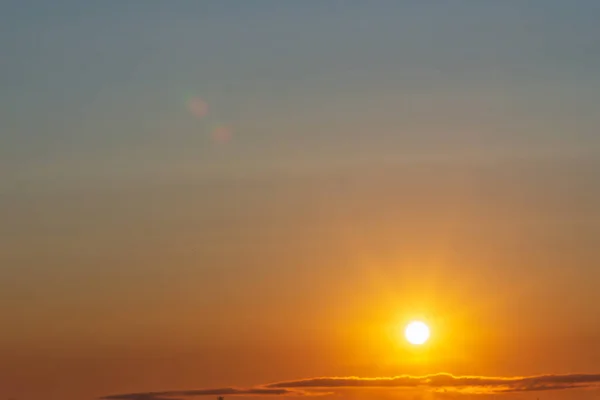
point(221, 134)
point(198, 107)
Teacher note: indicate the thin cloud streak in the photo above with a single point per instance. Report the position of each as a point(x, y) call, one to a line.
point(178, 394)
point(442, 382)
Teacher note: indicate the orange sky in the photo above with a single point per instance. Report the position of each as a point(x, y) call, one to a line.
point(316, 280)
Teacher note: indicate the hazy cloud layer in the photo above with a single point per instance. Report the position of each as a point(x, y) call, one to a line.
point(438, 382)
point(448, 382)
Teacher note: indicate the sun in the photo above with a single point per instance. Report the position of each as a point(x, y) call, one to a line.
point(416, 332)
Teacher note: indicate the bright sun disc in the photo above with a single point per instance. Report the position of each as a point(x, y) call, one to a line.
point(416, 332)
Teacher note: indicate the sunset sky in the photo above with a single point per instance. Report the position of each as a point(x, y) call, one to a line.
point(254, 197)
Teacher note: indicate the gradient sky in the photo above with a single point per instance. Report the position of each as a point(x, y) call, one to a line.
point(218, 193)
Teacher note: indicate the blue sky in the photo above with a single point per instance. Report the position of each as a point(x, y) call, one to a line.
point(303, 82)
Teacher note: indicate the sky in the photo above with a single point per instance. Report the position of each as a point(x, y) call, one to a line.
point(252, 198)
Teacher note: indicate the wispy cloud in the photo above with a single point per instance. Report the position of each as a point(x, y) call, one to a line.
point(442, 382)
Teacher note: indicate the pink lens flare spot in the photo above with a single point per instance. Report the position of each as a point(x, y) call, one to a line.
point(198, 107)
point(221, 134)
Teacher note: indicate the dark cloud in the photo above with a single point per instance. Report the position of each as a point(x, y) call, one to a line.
point(437, 382)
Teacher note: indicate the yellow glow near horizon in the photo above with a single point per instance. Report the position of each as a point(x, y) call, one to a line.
point(417, 332)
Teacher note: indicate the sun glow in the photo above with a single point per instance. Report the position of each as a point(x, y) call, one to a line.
point(417, 332)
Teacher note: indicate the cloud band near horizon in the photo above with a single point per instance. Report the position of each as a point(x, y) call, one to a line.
point(442, 382)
